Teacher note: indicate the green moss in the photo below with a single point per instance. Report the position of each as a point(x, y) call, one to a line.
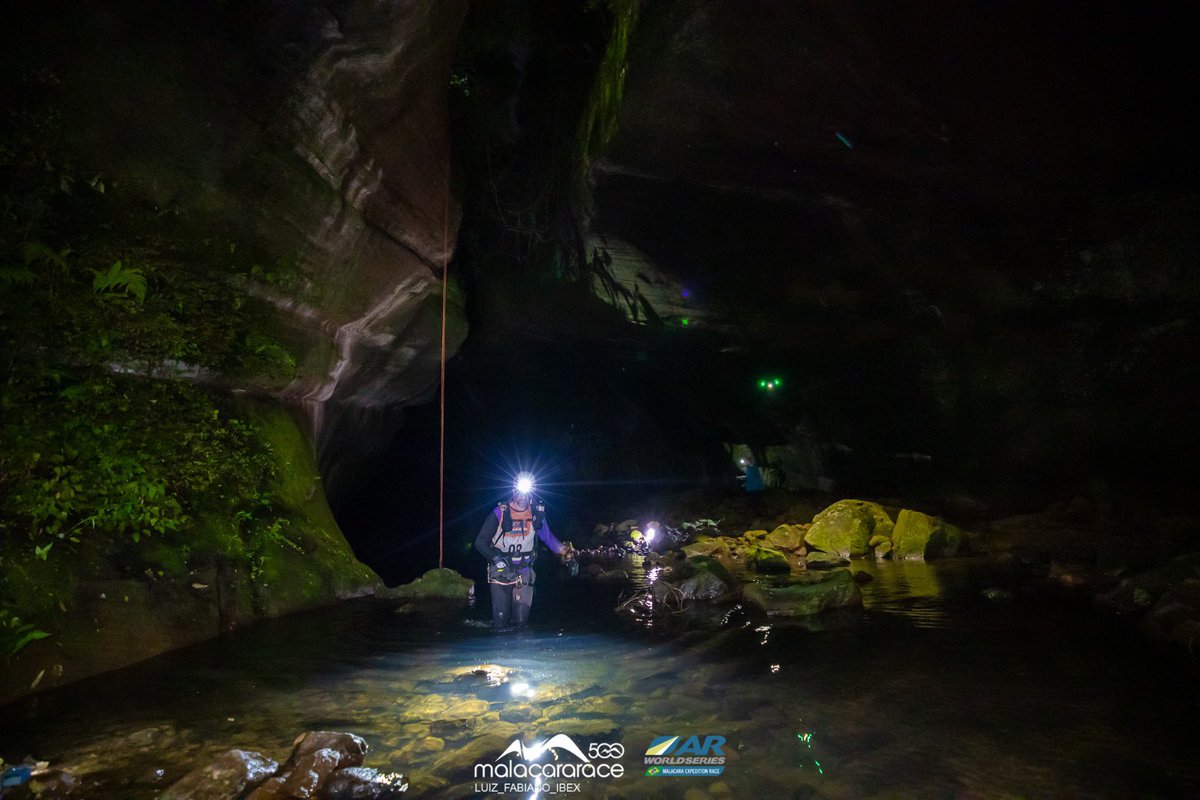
point(437, 583)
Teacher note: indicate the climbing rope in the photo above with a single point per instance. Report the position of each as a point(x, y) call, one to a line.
point(442, 412)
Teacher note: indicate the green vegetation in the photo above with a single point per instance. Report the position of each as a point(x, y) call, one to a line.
point(122, 453)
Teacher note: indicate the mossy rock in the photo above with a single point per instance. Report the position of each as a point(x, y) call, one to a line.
point(755, 535)
point(695, 565)
point(877, 540)
point(786, 537)
point(707, 547)
point(766, 560)
point(440, 583)
point(818, 560)
point(811, 593)
point(883, 549)
point(920, 536)
point(844, 528)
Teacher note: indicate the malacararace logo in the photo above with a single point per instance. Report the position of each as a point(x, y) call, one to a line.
point(694, 755)
point(518, 769)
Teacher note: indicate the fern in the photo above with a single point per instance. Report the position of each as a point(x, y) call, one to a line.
point(38, 253)
point(11, 276)
point(128, 280)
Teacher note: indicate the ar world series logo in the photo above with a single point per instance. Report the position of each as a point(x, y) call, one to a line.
point(693, 755)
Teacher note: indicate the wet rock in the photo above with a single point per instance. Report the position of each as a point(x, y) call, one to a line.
point(437, 584)
point(1176, 615)
point(883, 549)
point(786, 537)
point(450, 728)
point(315, 756)
point(361, 783)
point(228, 775)
point(920, 536)
point(458, 763)
point(302, 778)
point(818, 560)
point(1081, 577)
point(844, 528)
point(754, 535)
point(863, 577)
point(703, 586)
point(520, 714)
point(766, 560)
point(1141, 591)
point(350, 749)
point(810, 594)
point(997, 595)
point(52, 784)
point(710, 547)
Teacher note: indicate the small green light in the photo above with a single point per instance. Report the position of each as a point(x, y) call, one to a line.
point(762, 384)
point(685, 320)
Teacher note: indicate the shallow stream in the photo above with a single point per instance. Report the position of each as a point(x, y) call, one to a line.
point(931, 691)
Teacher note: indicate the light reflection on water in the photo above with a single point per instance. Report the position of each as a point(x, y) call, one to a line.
point(929, 692)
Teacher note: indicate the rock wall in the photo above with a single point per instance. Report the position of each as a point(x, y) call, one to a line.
point(290, 157)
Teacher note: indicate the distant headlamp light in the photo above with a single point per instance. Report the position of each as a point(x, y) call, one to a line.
point(651, 532)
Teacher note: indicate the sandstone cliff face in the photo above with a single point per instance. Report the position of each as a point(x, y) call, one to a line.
point(289, 158)
point(311, 137)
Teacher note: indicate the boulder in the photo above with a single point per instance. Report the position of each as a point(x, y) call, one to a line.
point(883, 549)
point(786, 537)
point(697, 564)
point(755, 535)
point(703, 586)
point(844, 528)
point(228, 775)
point(766, 560)
point(437, 583)
point(360, 783)
point(810, 593)
point(877, 540)
point(302, 779)
point(920, 536)
point(708, 547)
point(818, 560)
point(350, 749)
point(1143, 590)
point(1176, 615)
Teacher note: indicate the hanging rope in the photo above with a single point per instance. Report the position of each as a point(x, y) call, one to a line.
point(442, 413)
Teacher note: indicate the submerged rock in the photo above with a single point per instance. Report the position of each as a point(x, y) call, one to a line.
point(811, 593)
point(920, 536)
point(229, 775)
point(437, 583)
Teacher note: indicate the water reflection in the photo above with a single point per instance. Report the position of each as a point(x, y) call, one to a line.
point(891, 705)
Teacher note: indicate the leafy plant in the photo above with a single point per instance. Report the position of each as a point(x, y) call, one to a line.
point(130, 281)
point(16, 635)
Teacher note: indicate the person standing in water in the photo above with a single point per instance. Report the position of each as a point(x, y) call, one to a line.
point(508, 540)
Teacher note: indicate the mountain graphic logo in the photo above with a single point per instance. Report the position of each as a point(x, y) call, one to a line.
point(536, 750)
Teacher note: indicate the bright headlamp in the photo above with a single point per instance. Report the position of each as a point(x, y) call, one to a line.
point(523, 485)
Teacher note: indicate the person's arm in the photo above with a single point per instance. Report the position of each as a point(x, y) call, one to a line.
point(546, 535)
point(487, 535)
